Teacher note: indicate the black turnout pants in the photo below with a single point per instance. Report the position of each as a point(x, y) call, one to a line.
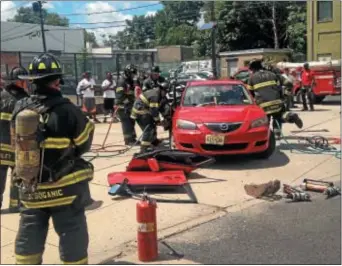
point(127, 124)
point(70, 225)
point(147, 125)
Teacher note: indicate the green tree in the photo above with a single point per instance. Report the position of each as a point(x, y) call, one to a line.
point(91, 38)
point(27, 15)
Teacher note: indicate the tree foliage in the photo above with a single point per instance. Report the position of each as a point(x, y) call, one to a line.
point(27, 15)
point(91, 38)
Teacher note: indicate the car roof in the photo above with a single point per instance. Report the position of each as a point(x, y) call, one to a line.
point(215, 82)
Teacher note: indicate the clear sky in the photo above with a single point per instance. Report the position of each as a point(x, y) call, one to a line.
point(67, 8)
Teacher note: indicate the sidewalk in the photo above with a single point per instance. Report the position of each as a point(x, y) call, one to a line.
point(219, 189)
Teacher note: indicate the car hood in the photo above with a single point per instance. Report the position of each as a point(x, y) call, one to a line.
point(209, 114)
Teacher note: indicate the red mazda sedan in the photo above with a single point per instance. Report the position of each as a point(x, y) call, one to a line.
point(220, 117)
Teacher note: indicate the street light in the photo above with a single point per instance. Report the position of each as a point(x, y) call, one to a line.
point(37, 7)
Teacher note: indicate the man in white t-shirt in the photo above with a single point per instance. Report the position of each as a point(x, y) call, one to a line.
point(86, 86)
point(108, 86)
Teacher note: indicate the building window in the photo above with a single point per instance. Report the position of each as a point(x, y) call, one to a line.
point(324, 11)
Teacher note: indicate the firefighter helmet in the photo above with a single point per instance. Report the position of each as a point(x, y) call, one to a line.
point(255, 64)
point(130, 69)
point(15, 73)
point(155, 69)
point(42, 66)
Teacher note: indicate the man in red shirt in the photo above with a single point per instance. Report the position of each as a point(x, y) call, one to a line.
point(307, 82)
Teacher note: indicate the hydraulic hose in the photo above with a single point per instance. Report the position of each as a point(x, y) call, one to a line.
point(319, 145)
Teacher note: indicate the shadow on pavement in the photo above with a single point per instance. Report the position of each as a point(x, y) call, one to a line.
point(119, 262)
point(196, 176)
point(248, 162)
point(334, 102)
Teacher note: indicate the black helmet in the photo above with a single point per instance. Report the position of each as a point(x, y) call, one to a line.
point(15, 73)
point(306, 65)
point(255, 64)
point(155, 69)
point(130, 69)
point(42, 66)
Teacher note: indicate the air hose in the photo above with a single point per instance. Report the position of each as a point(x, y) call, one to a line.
point(319, 145)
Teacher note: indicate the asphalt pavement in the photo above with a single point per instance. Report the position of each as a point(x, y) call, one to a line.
point(271, 233)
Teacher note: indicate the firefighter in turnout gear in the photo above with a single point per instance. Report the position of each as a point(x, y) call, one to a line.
point(124, 101)
point(147, 108)
point(62, 185)
point(13, 91)
point(264, 86)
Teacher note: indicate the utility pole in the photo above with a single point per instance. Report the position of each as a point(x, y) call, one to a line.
point(38, 7)
point(213, 39)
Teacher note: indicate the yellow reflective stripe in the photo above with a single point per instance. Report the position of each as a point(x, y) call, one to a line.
point(157, 118)
point(146, 143)
point(83, 137)
point(270, 103)
point(273, 111)
point(6, 116)
point(49, 203)
point(41, 66)
point(139, 112)
point(29, 259)
point(6, 147)
point(30, 67)
point(119, 89)
point(264, 84)
point(249, 87)
point(56, 143)
point(5, 162)
point(133, 116)
point(13, 203)
point(80, 262)
point(143, 98)
point(69, 179)
point(154, 105)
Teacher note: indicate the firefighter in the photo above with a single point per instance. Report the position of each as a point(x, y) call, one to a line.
point(124, 101)
point(146, 110)
point(14, 90)
point(62, 187)
point(268, 94)
point(307, 84)
point(287, 89)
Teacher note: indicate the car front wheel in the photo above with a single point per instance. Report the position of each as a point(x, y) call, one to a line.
point(270, 149)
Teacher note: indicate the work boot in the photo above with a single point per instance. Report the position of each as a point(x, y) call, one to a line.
point(132, 142)
point(297, 120)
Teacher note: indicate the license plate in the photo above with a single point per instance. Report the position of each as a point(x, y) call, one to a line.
point(214, 139)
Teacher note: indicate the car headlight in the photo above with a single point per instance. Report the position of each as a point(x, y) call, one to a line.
point(260, 122)
point(184, 124)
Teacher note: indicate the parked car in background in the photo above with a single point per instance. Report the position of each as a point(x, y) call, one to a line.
point(218, 117)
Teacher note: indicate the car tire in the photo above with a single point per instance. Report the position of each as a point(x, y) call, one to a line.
point(319, 99)
point(270, 149)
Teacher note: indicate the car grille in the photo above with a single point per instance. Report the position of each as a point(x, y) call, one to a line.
point(226, 147)
point(223, 127)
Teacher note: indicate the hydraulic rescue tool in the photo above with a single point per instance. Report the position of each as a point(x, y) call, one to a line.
point(27, 151)
point(325, 187)
point(295, 194)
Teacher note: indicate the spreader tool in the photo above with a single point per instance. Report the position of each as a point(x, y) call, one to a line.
point(295, 194)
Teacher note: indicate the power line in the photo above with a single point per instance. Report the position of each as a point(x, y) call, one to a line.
point(107, 12)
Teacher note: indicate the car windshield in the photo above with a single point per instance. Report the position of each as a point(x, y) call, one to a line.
point(231, 94)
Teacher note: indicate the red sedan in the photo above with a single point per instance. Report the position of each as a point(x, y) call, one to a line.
point(220, 117)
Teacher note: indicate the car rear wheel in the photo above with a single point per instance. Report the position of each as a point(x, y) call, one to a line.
point(270, 149)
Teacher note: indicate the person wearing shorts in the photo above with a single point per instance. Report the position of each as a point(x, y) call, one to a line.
point(89, 104)
point(108, 86)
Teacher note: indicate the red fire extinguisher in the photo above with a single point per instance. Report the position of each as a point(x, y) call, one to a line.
point(147, 229)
